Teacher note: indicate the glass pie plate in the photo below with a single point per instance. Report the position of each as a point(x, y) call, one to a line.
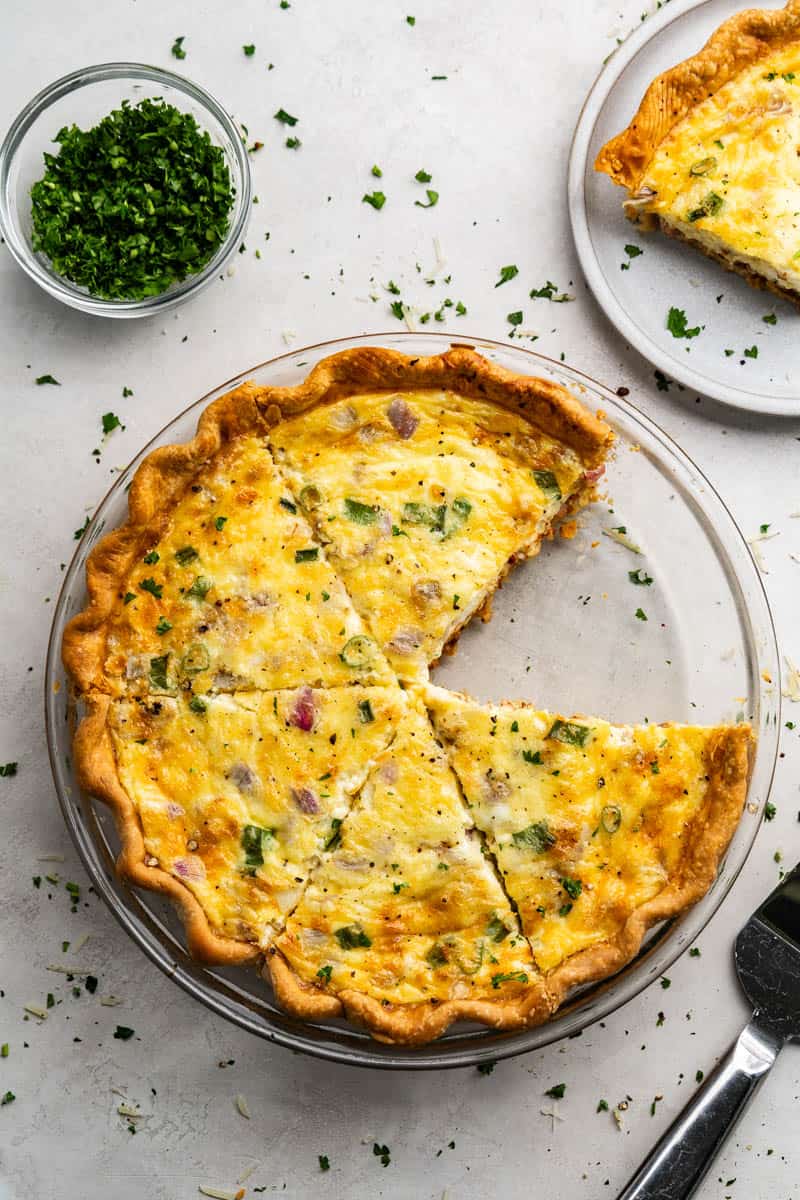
point(565, 635)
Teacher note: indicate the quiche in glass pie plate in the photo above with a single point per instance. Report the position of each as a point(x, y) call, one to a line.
point(252, 669)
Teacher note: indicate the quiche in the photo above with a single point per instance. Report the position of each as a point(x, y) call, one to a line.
point(598, 830)
point(711, 155)
point(252, 674)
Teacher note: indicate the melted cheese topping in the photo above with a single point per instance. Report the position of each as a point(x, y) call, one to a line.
point(728, 174)
point(238, 795)
point(423, 499)
point(587, 820)
point(407, 908)
point(236, 594)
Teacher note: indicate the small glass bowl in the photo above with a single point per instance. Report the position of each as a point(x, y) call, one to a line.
point(83, 98)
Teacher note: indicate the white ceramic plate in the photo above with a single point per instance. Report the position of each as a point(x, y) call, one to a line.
point(637, 300)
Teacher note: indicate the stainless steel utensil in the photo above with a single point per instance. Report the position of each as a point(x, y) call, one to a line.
point(767, 957)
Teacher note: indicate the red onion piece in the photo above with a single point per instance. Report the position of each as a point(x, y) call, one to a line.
point(305, 800)
point(593, 474)
point(242, 776)
point(192, 869)
point(303, 711)
point(402, 419)
point(406, 641)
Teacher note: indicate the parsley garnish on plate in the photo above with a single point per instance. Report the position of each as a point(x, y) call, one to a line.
point(640, 577)
point(376, 199)
point(423, 176)
point(8, 770)
point(123, 1033)
point(509, 977)
point(249, 50)
point(411, 20)
point(770, 319)
point(433, 199)
point(377, 172)
point(177, 47)
point(641, 615)
point(40, 379)
point(324, 1162)
point(150, 585)
point(383, 1153)
point(506, 274)
point(138, 202)
point(751, 352)
point(550, 292)
point(556, 1092)
point(632, 251)
point(678, 325)
point(285, 118)
point(515, 318)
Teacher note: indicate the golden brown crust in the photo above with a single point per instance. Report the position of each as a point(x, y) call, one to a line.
point(739, 42)
point(410, 1024)
point(96, 768)
point(706, 838)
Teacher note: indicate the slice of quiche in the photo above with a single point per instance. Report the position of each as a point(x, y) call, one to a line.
point(599, 830)
point(230, 799)
point(221, 586)
point(425, 495)
point(404, 926)
point(711, 155)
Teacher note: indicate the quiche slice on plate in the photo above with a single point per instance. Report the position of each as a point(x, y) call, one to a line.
point(427, 478)
point(404, 926)
point(599, 830)
point(216, 582)
point(226, 801)
point(711, 155)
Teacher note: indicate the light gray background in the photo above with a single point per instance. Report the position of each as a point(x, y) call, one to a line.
point(495, 136)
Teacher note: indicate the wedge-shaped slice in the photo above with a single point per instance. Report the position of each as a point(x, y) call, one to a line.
point(599, 830)
point(711, 154)
point(232, 592)
point(424, 498)
point(237, 796)
point(404, 925)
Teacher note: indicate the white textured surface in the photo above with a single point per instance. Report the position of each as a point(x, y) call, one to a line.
point(495, 136)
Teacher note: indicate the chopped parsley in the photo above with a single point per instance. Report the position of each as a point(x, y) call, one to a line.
point(285, 118)
point(602, 1106)
point(506, 274)
point(751, 352)
point(376, 199)
point(110, 422)
point(665, 982)
point(377, 172)
point(532, 756)
point(411, 20)
point(694, 952)
point(151, 557)
point(335, 835)
point(383, 1153)
point(486, 1068)
point(123, 1033)
point(769, 809)
point(573, 887)
point(293, 143)
point(496, 930)
point(8, 770)
point(219, 522)
point(640, 577)
point(324, 973)
point(324, 1161)
point(515, 318)
point(433, 199)
point(509, 977)
point(177, 47)
point(351, 937)
point(126, 599)
point(556, 1092)
point(254, 839)
point(134, 204)
point(40, 379)
point(536, 837)
point(708, 207)
point(150, 585)
point(423, 176)
point(198, 705)
point(163, 626)
point(7, 1098)
point(397, 309)
point(365, 712)
point(633, 251)
point(249, 50)
point(641, 615)
point(550, 292)
point(678, 325)
point(770, 319)
point(80, 532)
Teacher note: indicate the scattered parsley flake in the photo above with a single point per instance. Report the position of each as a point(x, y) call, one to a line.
point(377, 172)
point(8, 770)
point(397, 309)
point(770, 319)
point(506, 274)
point(40, 379)
point(293, 143)
point(514, 318)
point(769, 811)
point(423, 176)
point(110, 422)
point(376, 199)
point(411, 20)
point(641, 615)
point(677, 324)
point(640, 577)
point(324, 1162)
point(7, 1098)
point(550, 292)
point(249, 50)
point(285, 118)
point(383, 1153)
point(633, 251)
point(177, 47)
point(433, 199)
point(751, 352)
point(665, 982)
point(602, 1106)
point(556, 1092)
point(123, 1033)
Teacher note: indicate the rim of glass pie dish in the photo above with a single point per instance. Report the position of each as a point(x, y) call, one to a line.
point(141, 914)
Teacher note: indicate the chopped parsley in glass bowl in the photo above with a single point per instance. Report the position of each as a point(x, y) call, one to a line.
point(124, 189)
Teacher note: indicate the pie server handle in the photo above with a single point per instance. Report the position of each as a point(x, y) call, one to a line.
point(678, 1163)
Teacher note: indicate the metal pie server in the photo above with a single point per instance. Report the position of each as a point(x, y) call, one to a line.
point(767, 956)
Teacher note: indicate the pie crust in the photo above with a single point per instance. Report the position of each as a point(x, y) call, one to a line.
point(159, 482)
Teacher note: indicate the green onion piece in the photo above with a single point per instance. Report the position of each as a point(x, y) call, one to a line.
point(310, 498)
point(496, 930)
point(536, 837)
point(158, 672)
point(365, 712)
point(709, 207)
point(570, 733)
point(703, 166)
point(185, 555)
point(548, 483)
point(309, 555)
point(361, 514)
point(198, 705)
point(200, 588)
point(359, 652)
point(195, 659)
point(611, 818)
point(351, 937)
point(254, 839)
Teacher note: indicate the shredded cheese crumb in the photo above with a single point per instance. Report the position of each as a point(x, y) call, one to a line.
point(35, 1011)
point(51, 858)
point(241, 1106)
point(110, 1001)
point(247, 1172)
point(219, 1193)
point(616, 536)
point(69, 969)
point(792, 689)
point(126, 1110)
point(756, 549)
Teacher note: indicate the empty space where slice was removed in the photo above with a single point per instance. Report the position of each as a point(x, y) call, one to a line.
point(599, 830)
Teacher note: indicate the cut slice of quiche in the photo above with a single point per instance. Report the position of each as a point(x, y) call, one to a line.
point(599, 830)
point(404, 925)
point(424, 496)
point(232, 798)
point(711, 155)
point(220, 586)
